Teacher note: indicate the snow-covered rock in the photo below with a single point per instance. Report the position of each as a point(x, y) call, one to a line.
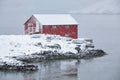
point(8, 63)
point(17, 48)
point(15, 45)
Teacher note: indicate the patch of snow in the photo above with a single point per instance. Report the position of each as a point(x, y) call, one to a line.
point(20, 45)
point(10, 61)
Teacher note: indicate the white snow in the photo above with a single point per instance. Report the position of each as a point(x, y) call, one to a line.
point(10, 61)
point(55, 19)
point(16, 45)
point(101, 7)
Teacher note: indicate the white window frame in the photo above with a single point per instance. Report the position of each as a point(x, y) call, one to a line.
point(66, 35)
point(54, 26)
point(67, 26)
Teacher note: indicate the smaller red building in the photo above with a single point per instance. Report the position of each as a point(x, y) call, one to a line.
point(58, 24)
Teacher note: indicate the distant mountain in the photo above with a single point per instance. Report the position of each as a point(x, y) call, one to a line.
point(101, 7)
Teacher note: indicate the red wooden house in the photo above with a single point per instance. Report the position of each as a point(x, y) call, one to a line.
point(58, 24)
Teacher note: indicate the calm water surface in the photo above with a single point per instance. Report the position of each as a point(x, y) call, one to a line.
point(105, 30)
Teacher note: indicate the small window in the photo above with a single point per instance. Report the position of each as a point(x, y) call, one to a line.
point(46, 26)
point(66, 35)
point(66, 26)
point(30, 25)
point(54, 26)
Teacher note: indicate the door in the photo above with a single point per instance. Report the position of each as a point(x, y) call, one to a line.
point(30, 28)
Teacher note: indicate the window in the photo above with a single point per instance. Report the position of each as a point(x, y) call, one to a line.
point(46, 26)
point(66, 35)
point(54, 26)
point(66, 26)
point(30, 25)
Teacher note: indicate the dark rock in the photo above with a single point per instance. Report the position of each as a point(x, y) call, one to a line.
point(26, 67)
point(55, 55)
point(94, 53)
point(55, 46)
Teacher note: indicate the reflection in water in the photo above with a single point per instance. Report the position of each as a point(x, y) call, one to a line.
point(48, 70)
point(58, 70)
point(29, 76)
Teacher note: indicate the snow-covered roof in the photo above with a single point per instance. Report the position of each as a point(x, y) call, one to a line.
point(55, 19)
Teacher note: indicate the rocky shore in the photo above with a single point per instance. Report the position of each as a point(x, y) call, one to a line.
point(12, 64)
point(21, 63)
point(49, 55)
point(20, 50)
point(19, 68)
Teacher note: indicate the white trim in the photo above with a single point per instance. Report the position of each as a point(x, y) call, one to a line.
point(37, 29)
point(41, 28)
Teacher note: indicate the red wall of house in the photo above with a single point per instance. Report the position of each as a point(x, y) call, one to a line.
point(32, 20)
point(61, 30)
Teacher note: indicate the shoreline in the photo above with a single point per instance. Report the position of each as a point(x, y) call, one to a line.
point(27, 59)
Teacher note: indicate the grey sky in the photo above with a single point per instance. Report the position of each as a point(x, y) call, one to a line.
point(13, 13)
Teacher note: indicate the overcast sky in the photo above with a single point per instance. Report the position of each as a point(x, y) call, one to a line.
point(13, 13)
